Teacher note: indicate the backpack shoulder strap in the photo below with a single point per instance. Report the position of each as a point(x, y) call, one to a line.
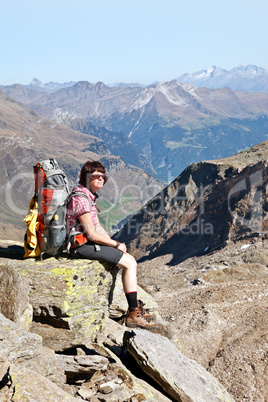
point(79, 194)
point(73, 229)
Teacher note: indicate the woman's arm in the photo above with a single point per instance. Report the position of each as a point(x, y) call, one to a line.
point(100, 229)
point(98, 236)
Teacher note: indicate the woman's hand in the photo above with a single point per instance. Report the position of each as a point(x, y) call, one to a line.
point(122, 247)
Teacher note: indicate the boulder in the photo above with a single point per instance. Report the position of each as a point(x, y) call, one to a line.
point(82, 364)
point(4, 366)
point(30, 386)
point(182, 378)
point(16, 343)
point(71, 299)
point(28, 370)
point(69, 294)
point(23, 360)
point(46, 364)
point(14, 296)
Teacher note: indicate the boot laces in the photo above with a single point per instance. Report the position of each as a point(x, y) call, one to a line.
point(141, 310)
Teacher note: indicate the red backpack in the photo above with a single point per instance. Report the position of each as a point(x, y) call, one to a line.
point(51, 193)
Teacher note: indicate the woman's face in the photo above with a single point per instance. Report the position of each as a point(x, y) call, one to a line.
point(96, 181)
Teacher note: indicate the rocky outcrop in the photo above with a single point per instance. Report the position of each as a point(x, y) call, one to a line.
point(202, 244)
point(80, 354)
point(209, 204)
point(14, 297)
point(216, 304)
point(70, 294)
point(31, 372)
point(18, 349)
point(179, 376)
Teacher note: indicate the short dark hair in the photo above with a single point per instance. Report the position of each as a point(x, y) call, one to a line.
point(88, 168)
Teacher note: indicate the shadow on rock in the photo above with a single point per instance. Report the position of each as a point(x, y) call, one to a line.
point(14, 252)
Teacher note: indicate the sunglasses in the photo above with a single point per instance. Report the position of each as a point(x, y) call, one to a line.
point(99, 176)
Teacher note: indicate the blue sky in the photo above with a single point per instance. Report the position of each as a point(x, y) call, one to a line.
point(128, 40)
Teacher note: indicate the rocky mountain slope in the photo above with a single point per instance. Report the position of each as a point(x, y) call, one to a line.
point(27, 138)
point(173, 124)
point(73, 350)
point(202, 249)
point(117, 143)
point(208, 205)
point(216, 304)
point(244, 78)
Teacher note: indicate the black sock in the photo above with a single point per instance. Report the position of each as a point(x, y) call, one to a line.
point(132, 300)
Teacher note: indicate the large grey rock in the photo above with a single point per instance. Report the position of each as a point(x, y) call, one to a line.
point(23, 360)
point(30, 386)
point(23, 357)
point(4, 365)
point(82, 364)
point(16, 343)
point(14, 296)
point(182, 378)
point(69, 294)
point(46, 364)
point(72, 299)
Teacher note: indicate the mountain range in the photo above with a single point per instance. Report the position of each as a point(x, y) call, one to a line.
point(249, 78)
point(49, 86)
point(244, 78)
point(170, 124)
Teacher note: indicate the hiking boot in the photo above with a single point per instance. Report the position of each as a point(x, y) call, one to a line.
point(145, 313)
point(135, 319)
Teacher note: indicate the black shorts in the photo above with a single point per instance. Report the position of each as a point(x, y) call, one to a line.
point(93, 251)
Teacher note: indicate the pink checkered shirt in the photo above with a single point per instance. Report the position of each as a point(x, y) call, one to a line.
point(79, 205)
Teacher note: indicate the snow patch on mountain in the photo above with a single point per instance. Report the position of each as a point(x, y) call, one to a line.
point(143, 98)
point(49, 86)
point(172, 97)
point(63, 117)
point(191, 90)
point(137, 123)
point(171, 90)
point(245, 78)
point(208, 73)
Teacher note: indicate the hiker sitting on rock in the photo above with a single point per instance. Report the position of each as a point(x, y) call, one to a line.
point(95, 244)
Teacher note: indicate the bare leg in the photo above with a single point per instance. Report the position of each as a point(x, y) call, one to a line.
point(135, 317)
point(129, 273)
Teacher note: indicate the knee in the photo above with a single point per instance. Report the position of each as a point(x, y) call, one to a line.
point(128, 262)
point(132, 264)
